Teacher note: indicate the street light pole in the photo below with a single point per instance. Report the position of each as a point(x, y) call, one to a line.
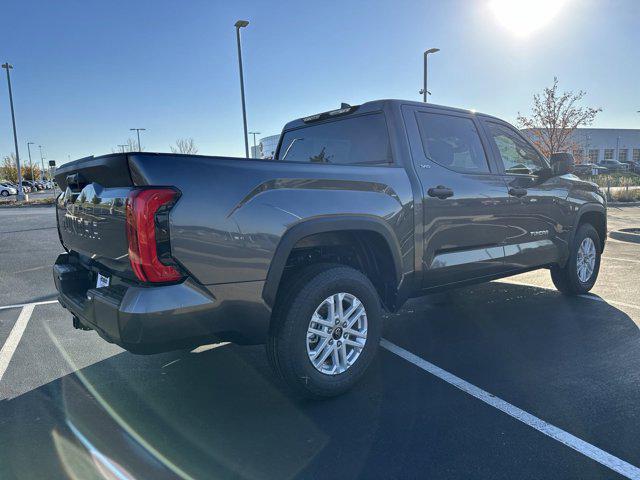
point(30, 162)
point(41, 164)
point(424, 90)
point(254, 140)
point(138, 132)
point(241, 24)
point(8, 67)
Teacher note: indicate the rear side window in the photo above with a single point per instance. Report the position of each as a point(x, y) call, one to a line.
point(355, 140)
point(452, 142)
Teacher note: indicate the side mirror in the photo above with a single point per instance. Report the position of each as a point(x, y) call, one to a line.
point(561, 163)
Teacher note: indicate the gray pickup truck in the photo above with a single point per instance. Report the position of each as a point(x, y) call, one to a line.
point(361, 208)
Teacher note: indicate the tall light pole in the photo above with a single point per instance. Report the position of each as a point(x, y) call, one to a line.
point(42, 164)
point(30, 162)
point(8, 67)
point(241, 24)
point(424, 90)
point(123, 147)
point(138, 132)
point(255, 148)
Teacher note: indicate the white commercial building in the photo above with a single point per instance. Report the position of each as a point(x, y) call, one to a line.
point(597, 144)
point(266, 148)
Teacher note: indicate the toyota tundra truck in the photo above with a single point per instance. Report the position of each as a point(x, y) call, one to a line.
point(360, 209)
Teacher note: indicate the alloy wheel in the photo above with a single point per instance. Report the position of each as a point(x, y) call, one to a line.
point(586, 260)
point(337, 333)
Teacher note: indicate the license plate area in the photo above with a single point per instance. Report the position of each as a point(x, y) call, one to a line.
point(102, 280)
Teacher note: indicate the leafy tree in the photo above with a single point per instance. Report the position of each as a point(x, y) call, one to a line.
point(9, 169)
point(30, 174)
point(554, 117)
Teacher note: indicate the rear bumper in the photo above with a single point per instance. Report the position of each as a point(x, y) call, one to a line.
point(152, 319)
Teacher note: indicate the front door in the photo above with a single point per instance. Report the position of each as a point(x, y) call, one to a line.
point(538, 207)
point(463, 197)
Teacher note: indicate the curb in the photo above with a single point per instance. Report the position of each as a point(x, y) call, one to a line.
point(625, 236)
point(26, 205)
point(623, 204)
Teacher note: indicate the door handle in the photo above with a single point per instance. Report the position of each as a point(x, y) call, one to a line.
point(440, 192)
point(517, 192)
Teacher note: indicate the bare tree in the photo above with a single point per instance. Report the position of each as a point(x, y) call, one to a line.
point(131, 145)
point(184, 145)
point(554, 117)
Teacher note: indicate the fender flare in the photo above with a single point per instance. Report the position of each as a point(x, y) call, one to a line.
point(325, 224)
point(589, 207)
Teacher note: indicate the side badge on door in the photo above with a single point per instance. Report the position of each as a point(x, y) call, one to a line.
point(539, 233)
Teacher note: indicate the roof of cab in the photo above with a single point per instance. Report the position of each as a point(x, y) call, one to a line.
point(383, 104)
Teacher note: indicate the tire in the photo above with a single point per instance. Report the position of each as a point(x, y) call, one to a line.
point(290, 346)
point(568, 279)
point(4, 193)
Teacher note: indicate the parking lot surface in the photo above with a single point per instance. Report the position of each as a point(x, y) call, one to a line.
point(508, 379)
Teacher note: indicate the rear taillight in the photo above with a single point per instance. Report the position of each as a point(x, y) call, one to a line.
point(148, 234)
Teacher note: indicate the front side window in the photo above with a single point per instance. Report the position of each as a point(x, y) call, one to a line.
point(517, 155)
point(354, 140)
point(452, 142)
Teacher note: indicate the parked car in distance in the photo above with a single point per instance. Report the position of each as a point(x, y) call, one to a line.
point(613, 165)
point(26, 186)
point(7, 189)
point(33, 185)
point(589, 169)
point(361, 208)
point(632, 166)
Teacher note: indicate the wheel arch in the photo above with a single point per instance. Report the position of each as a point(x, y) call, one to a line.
point(596, 215)
point(328, 224)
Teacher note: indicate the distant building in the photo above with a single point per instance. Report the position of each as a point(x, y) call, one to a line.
point(592, 145)
point(266, 148)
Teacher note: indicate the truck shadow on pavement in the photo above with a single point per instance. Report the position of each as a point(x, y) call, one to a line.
point(222, 414)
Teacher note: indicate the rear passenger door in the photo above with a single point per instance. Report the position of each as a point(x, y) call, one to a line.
point(462, 196)
point(537, 207)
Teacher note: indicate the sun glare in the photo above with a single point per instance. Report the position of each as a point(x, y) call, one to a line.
point(522, 17)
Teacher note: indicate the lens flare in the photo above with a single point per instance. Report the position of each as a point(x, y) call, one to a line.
point(523, 17)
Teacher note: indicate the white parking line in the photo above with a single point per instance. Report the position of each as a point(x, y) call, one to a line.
point(604, 257)
point(21, 305)
point(580, 446)
point(9, 347)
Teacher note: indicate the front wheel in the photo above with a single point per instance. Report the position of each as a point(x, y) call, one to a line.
point(325, 330)
point(581, 270)
point(4, 193)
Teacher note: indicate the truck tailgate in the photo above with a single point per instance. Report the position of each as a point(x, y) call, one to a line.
point(91, 212)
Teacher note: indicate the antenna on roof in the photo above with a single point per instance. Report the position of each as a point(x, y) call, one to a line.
point(344, 105)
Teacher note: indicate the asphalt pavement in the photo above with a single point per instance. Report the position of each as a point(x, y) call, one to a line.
point(508, 379)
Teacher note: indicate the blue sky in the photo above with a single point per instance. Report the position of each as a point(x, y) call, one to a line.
point(87, 71)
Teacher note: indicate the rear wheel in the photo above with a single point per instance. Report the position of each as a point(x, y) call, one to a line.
point(325, 330)
point(581, 270)
point(4, 193)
